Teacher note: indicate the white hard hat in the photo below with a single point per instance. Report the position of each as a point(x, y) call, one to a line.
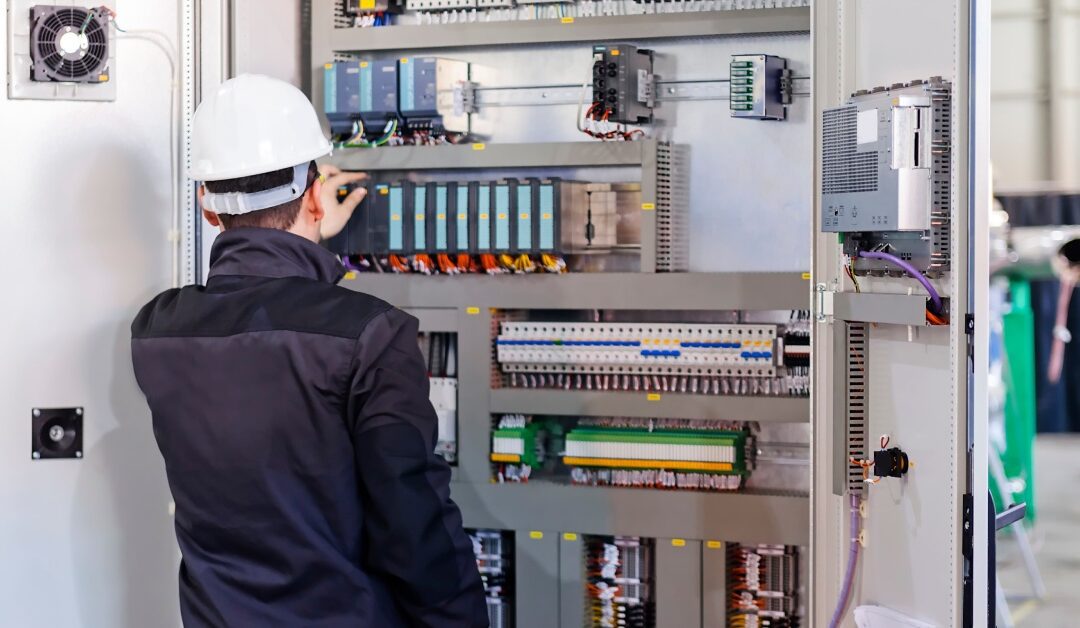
point(252, 125)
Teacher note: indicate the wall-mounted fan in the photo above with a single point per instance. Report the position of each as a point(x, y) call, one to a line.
point(69, 44)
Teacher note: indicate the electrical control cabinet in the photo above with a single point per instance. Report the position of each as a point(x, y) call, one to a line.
point(612, 395)
point(426, 90)
point(623, 83)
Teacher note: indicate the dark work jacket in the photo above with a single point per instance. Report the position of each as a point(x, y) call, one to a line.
point(298, 439)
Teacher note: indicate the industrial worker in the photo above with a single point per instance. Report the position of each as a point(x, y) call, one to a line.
point(293, 414)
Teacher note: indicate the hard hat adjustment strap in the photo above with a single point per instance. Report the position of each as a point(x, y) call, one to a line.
point(244, 203)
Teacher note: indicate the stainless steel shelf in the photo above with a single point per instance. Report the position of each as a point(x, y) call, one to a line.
point(465, 156)
point(640, 404)
point(628, 291)
point(588, 29)
point(740, 517)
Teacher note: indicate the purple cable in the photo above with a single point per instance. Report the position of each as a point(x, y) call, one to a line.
point(347, 263)
point(909, 269)
point(853, 559)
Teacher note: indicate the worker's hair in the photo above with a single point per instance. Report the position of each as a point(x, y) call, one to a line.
point(280, 217)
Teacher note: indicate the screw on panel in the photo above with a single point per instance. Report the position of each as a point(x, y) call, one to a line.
point(78, 411)
point(37, 412)
point(78, 454)
point(36, 455)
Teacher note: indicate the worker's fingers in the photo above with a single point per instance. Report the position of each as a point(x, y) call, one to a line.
point(335, 181)
point(353, 199)
point(328, 170)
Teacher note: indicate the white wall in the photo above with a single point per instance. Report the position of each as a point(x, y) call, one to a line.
point(86, 213)
point(1036, 92)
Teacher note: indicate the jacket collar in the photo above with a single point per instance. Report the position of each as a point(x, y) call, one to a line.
point(272, 253)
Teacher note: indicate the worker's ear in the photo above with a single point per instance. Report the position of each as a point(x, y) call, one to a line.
point(312, 205)
point(212, 218)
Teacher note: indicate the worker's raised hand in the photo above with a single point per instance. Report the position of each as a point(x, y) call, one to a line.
point(338, 211)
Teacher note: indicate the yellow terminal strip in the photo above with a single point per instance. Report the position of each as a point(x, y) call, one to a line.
point(505, 458)
point(645, 464)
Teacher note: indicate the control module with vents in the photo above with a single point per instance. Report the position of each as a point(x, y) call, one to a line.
point(886, 175)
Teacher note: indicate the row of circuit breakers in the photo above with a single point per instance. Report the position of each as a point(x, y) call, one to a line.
point(433, 94)
point(528, 216)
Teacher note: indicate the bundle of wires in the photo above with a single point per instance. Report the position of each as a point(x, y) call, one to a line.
point(423, 263)
point(618, 582)
point(935, 310)
point(597, 125)
point(356, 140)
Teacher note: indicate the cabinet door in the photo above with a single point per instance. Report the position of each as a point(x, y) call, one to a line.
point(883, 374)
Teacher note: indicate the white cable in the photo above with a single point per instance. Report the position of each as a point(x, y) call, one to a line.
point(581, 100)
point(162, 42)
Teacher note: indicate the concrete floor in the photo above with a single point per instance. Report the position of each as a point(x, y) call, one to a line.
point(1056, 538)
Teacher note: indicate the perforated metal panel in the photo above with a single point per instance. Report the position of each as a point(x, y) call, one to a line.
point(856, 403)
point(843, 169)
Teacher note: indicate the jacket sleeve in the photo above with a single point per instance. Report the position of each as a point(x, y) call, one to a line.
point(413, 535)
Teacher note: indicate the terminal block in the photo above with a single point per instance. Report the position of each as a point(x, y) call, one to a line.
point(355, 8)
point(520, 445)
point(763, 585)
point(494, 550)
point(703, 358)
point(620, 588)
point(638, 349)
point(658, 453)
point(760, 87)
point(622, 84)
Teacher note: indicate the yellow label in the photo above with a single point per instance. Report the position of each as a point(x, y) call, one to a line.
point(652, 397)
point(395, 218)
point(536, 534)
point(441, 216)
point(502, 216)
point(363, 64)
point(103, 78)
point(384, 191)
point(350, 275)
point(614, 52)
point(479, 146)
point(806, 276)
point(404, 59)
point(714, 544)
point(472, 310)
point(678, 542)
point(420, 216)
point(367, 4)
point(483, 216)
point(567, 20)
point(648, 207)
point(329, 66)
point(569, 536)
point(524, 216)
point(462, 216)
point(546, 216)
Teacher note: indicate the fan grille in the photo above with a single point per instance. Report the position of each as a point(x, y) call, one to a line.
point(53, 62)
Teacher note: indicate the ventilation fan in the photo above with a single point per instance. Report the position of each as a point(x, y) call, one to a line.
point(69, 44)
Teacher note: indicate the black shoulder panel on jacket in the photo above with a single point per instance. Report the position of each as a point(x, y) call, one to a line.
point(236, 305)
